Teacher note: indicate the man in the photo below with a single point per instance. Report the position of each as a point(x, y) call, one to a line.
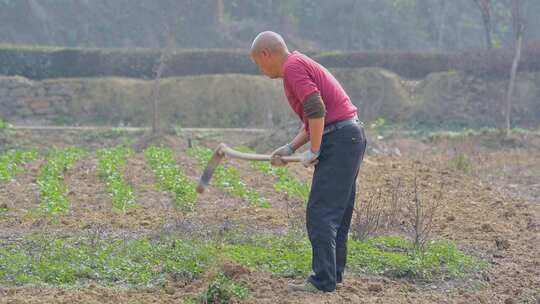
point(337, 145)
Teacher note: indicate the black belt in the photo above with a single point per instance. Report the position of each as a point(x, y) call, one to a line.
point(340, 124)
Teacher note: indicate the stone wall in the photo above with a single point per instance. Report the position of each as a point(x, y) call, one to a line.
point(22, 99)
point(234, 100)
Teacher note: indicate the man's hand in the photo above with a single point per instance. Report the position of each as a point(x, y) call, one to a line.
point(286, 150)
point(309, 158)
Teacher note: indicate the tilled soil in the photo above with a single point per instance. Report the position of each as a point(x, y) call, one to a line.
point(482, 218)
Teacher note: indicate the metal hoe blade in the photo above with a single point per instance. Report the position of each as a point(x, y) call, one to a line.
point(223, 150)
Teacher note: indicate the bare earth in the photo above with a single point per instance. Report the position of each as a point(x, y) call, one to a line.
point(497, 199)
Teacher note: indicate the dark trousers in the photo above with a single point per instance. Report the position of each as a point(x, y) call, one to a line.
point(331, 203)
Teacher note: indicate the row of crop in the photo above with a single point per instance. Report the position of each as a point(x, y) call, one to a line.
point(51, 179)
point(228, 178)
point(11, 161)
point(111, 165)
point(149, 261)
point(285, 181)
point(171, 178)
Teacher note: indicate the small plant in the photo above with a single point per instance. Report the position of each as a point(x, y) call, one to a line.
point(377, 124)
point(148, 261)
point(391, 214)
point(51, 180)
point(285, 181)
point(3, 124)
point(111, 165)
point(223, 290)
point(228, 178)
point(171, 178)
point(288, 256)
point(419, 219)
point(70, 261)
point(368, 218)
point(113, 133)
point(395, 257)
point(461, 162)
point(11, 161)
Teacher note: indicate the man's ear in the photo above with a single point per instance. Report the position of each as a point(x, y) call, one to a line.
point(265, 52)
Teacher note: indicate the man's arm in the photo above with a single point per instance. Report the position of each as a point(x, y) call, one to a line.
point(300, 139)
point(315, 111)
point(316, 127)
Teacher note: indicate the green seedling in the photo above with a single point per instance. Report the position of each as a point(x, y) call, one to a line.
point(11, 161)
point(111, 166)
point(171, 178)
point(228, 178)
point(51, 179)
point(285, 181)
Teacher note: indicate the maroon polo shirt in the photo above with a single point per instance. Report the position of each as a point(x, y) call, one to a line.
point(302, 76)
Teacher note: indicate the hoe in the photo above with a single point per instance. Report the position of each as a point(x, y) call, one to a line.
point(223, 150)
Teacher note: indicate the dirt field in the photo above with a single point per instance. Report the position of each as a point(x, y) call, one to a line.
point(488, 189)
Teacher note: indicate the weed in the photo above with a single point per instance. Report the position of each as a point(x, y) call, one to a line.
point(461, 162)
point(3, 124)
point(71, 261)
point(419, 218)
point(283, 256)
point(223, 290)
point(367, 218)
point(386, 255)
point(377, 124)
point(149, 261)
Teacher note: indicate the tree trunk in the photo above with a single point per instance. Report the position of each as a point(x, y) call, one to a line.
point(485, 9)
point(442, 24)
point(155, 93)
point(519, 27)
point(220, 13)
point(512, 85)
point(486, 17)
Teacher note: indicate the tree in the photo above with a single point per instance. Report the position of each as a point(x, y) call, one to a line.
point(155, 93)
point(444, 7)
point(485, 9)
point(518, 26)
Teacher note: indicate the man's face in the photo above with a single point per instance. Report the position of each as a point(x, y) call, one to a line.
point(267, 63)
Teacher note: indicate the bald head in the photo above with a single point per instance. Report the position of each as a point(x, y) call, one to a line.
point(268, 41)
point(269, 52)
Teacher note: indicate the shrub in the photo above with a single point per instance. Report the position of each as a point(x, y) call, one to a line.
point(407, 64)
point(47, 62)
point(491, 63)
point(50, 62)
